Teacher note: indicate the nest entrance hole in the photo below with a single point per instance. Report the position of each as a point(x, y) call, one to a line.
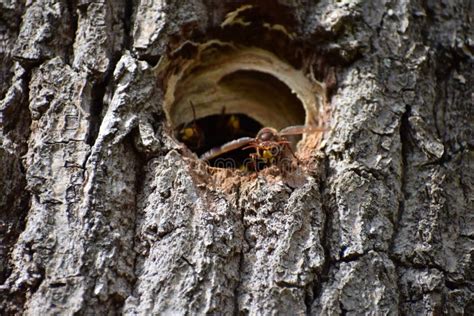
point(217, 130)
point(226, 92)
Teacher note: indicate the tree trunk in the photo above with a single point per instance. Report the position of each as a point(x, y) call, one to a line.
point(102, 210)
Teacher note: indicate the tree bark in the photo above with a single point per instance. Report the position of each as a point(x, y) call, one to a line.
point(102, 210)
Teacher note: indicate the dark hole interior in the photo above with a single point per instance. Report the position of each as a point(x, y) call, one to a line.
point(264, 99)
point(213, 131)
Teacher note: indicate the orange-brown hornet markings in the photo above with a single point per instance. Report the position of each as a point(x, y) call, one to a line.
point(270, 145)
point(191, 134)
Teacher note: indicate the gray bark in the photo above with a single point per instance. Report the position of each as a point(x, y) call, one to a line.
point(101, 210)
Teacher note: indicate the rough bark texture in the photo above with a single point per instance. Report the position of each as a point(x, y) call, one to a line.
point(102, 212)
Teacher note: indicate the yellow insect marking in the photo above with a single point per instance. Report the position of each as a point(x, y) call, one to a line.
point(234, 122)
point(188, 133)
point(267, 155)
